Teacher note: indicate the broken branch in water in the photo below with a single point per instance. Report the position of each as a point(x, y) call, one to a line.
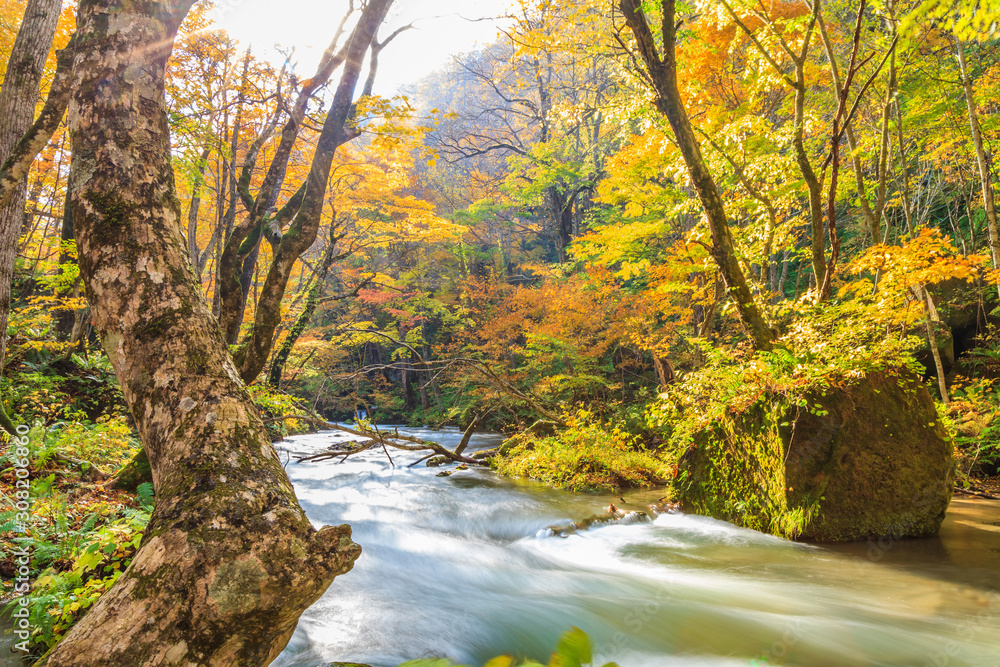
point(978, 493)
point(374, 437)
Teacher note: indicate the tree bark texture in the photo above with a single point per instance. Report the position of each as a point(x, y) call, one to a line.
point(662, 74)
point(17, 111)
point(229, 560)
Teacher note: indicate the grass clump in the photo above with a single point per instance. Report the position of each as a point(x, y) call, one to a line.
point(588, 455)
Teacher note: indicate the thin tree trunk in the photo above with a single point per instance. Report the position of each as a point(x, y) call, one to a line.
point(932, 317)
point(814, 187)
point(906, 204)
point(192, 222)
point(798, 84)
point(229, 560)
point(66, 318)
point(302, 321)
point(981, 158)
point(230, 265)
point(17, 111)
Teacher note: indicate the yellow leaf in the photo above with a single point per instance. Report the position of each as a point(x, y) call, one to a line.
point(500, 661)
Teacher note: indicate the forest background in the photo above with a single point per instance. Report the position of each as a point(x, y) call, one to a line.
point(515, 242)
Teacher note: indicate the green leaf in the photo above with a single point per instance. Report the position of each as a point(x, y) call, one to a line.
point(573, 650)
point(145, 495)
point(88, 560)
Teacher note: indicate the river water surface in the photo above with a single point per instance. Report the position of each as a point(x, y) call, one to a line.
point(462, 567)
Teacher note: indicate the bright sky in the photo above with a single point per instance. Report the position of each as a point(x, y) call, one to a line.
point(442, 28)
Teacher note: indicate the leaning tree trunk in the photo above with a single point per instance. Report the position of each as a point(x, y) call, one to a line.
point(229, 560)
point(982, 160)
point(17, 111)
point(661, 71)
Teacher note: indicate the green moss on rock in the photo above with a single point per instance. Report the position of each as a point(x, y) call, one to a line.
point(136, 472)
point(864, 459)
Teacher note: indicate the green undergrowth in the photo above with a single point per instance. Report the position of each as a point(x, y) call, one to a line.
point(973, 420)
point(83, 530)
point(823, 349)
point(588, 455)
point(81, 535)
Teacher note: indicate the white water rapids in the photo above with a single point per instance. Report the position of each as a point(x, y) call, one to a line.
point(461, 567)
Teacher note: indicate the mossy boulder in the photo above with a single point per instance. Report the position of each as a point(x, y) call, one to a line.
point(866, 458)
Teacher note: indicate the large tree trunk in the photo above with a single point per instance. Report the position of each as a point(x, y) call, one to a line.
point(17, 111)
point(229, 560)
point(662, 72)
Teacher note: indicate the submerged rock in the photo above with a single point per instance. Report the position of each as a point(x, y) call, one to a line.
point(866, 459)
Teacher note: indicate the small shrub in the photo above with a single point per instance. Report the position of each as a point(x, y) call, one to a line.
point(274, 403)
point(586, 456)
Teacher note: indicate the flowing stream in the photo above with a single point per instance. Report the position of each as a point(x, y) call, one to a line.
point(463, 567)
